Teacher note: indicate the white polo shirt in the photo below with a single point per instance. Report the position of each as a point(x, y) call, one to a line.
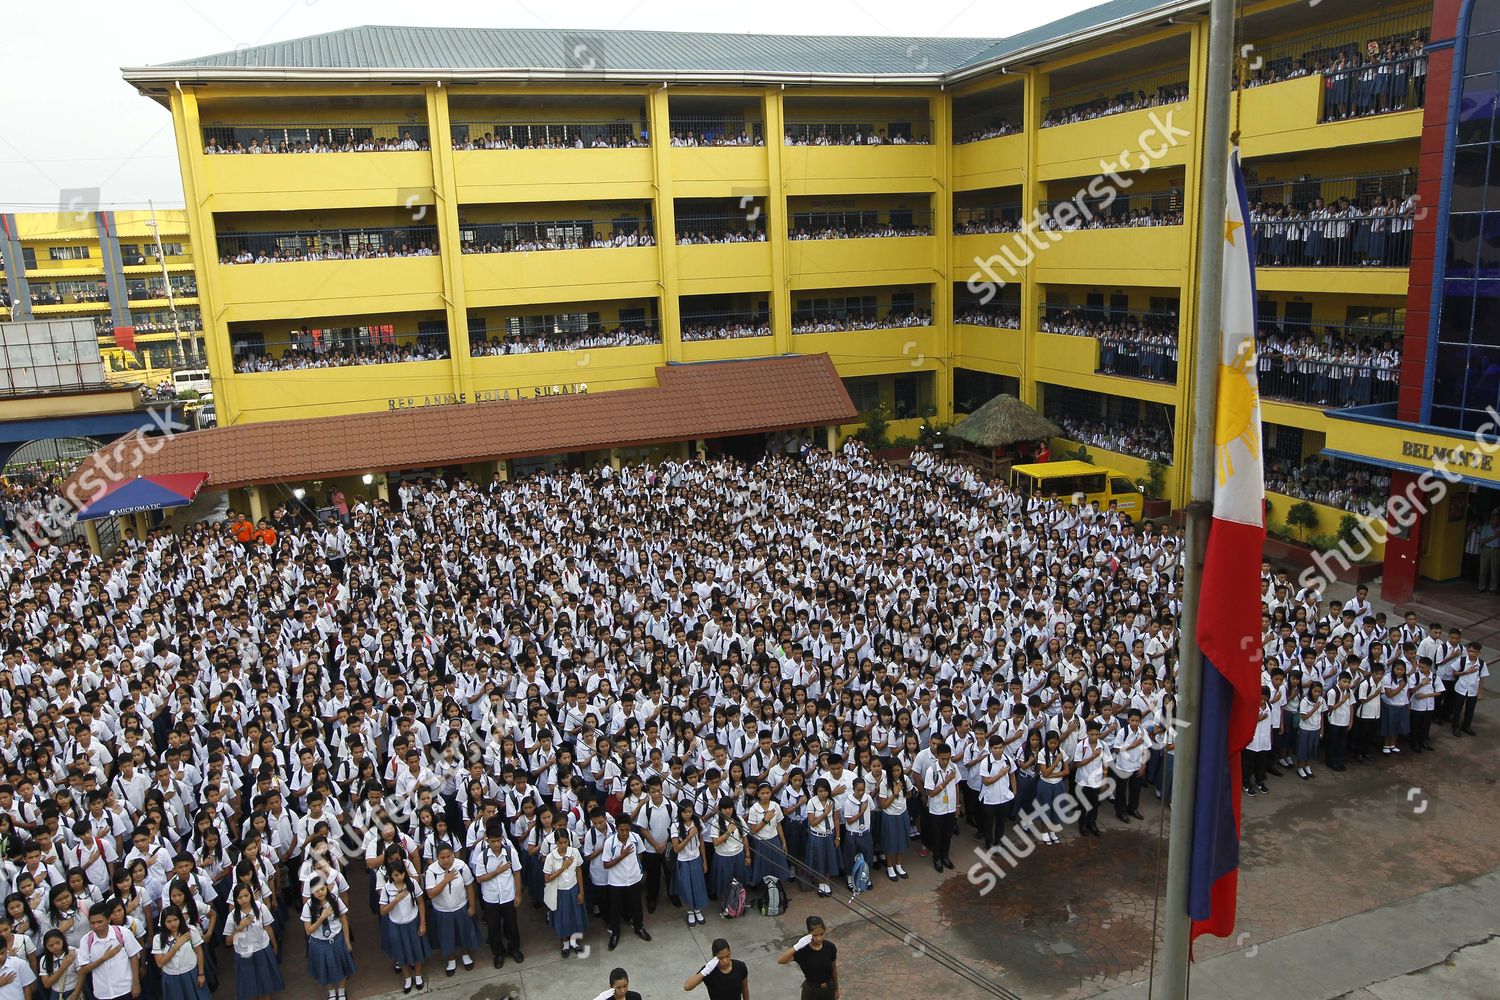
point(453, 897)
point(945, 802)
point(483, 860)
point(24, 977)
point(111, 978)
point(628, 871)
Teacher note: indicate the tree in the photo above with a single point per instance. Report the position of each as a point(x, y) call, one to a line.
point(1302, 516)
point(1154, 482)
point(875, 434)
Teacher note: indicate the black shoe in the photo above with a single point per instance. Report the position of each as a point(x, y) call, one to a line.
point(675, 901)
point(651, 907)
point(499, 961)
point(1427, 746)
point(1469, 731)
point(1274, 770)
point(516, 956)
point(1136, 813)
point(614, 940)
point(1264, 788)
point(468, 963)
point(948, 863)
point(1249, 790)
point(643, 934)
point(937, 864)
point(1122, 817)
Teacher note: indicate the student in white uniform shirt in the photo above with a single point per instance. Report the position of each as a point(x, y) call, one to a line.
point(1090, 763)
point(452, 905)
point(109, 957)
point(942, 783)
point(997, 787)
point(16, 975)
point(1130, 751)
point(622, 859)
point(497, 869)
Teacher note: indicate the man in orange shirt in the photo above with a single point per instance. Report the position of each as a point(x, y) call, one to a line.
point(244, 531)
point(266, 534)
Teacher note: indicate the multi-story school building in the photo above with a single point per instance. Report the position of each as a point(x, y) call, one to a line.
point(388, 219)
point(127, 271)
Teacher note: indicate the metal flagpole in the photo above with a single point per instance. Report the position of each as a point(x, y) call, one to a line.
point(1178, 926)
point(166, 279)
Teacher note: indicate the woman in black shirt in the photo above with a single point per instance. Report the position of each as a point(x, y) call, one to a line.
point(619, 987)
point(817, 957)
point(726, 978)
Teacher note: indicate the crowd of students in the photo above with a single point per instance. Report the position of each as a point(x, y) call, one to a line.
point(1389, 75)
point(1133, 346)
point(1329, 370)
point(339, 356)
point(994, 130)
point(1342, 234)
point(860, 321)
point(875, 230)
point(993, 316)
point(598, 694)
point(1141, 440)
point(721, 234)
point(635, 335)
point(1129, 101)
point(861, 135)
point(329, 250)
point(323, 143)
point(1128, 218)
point(694, 330)
point(1351, 486)
point(554, 137)
point(596, 241)
point(715, 135)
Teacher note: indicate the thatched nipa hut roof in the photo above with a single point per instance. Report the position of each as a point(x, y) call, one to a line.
point(1004, 420)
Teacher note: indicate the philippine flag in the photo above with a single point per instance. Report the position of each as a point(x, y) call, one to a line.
point(1229, 608)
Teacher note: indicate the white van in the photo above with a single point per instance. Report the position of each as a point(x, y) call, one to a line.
point(192, 378)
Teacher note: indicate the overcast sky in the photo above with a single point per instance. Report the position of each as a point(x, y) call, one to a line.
point(75, 124)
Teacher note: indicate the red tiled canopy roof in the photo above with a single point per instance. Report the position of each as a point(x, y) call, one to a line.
point(689, 402)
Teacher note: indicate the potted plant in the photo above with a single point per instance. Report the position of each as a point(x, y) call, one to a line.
point(1154, 487)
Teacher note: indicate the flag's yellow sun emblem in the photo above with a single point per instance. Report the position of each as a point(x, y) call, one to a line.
point(1235, 419)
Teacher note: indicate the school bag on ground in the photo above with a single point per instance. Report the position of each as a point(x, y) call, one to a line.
point(774, 905)
point(734, 900)
point(859, 875)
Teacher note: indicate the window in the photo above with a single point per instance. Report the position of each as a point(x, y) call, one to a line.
point(28, 258)
point(1121, 485)
point(865, 392)
point(69, 252)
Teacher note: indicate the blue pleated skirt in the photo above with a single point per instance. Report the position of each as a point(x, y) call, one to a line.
point(451, 931)
point(183, 986)
point(256, 975)
point(722, 869)
point(402, 942)
point(1395, 720)
point(858, 843)
point(329, 961)
point(1307, 744)
point(894, 833)
point(570, 917)
point(768, 861)
point(692, 889)
point(822, 855)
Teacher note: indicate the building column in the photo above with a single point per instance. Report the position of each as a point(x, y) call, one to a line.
point(142, 525)
point(614, 459)
point(91, 532)
point(124, 523)
point(445, 216)
point(257, 503)
point(778, 226)
point(831, 433)
point(1403, 548)
point(664, 219)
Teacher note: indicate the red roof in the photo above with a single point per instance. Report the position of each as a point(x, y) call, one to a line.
point(689, 402)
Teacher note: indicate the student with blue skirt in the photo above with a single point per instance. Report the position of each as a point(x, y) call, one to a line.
point(177, 947)
point(823, 836)
point(562, 871)
point(731, 851)
point(330, 953)
point(403, 923)
point(767, 840)
point(58, 967)
point(249, 928)
point(894, 824)
point(687, 845)
point(450, 888)
point(792, 797)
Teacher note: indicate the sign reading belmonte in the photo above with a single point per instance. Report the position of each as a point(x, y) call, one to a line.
point(488, 396)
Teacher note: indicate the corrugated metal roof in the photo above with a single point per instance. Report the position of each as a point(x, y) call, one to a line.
point(388, 47)
point(599, 53)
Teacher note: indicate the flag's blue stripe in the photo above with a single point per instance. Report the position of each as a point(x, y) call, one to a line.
point(1216, 842)
point(1237, 176)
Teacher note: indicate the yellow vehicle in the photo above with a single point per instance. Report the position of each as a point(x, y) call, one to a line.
point(1081, 481)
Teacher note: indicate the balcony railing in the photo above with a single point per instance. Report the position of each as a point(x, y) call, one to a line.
point(741, 228)
point(725, 130)
point(725, 326)
point(327, 244)
point(1350, 365)
point(185, 287)
point(1339, 239)
point(857, 224)
point(859, 132)
point(42, 295)
point(341, 137)
point(336, 348)
point(858, 320)
point(544, 338)
point(987, 219)
point(557, 234)
point(1079, 104)
point(979, 127)
point(1144, 441)
point(617, 134)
